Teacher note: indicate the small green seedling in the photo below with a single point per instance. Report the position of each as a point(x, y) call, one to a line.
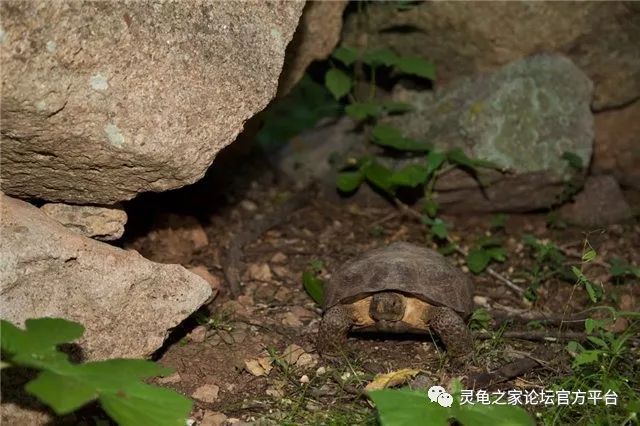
point(484, 251)
point(313, 284)
point(65, 387)
point(480, 320)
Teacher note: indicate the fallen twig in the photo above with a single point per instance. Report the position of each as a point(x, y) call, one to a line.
point(535, 336)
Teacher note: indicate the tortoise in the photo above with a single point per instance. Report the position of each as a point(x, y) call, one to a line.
point(400, 288)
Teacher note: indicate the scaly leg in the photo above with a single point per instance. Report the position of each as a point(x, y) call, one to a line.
point(332, 335)
point(452, 331)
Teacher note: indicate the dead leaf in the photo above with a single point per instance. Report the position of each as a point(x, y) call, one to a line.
point(258, 367)
point(394, 378)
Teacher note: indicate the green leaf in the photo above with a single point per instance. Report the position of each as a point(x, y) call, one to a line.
point(480, 319)
point(497, 253)
point(338, 83)
point(498, 221)
point(403, 407)
point(430, 207)
point(457, 156)
point(586, 357)
point(598, 341)
point(439, 228)
point(435, 159)
point(140, 404)
point(492, 415)
point(41, 335)
point(314, 287)
point(573, 159)
point(394, 107)
point(388, 136)
point(115, 373)
point(379, 176)
point(362, 110)
point(346, 55)
point(63, 394)
point(349, 181)
point(377, 57)
point(589, 255)
point(416, 66)
point(412, 175)
point(478, 259)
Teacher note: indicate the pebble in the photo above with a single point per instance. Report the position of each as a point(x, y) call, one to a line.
point(260, 272)
point(204, 273)
point(198, 334)
point(304, 379)
point(279, 257)
point(249, 205)
point(173, 378)
point(291, 320)
point(206, 393)
point(213, 418)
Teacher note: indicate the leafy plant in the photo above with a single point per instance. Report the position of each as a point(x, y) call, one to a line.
point(484, 252)
point(404, 407)
point(549, 262)
point(620, 269)
point(312, 283)
point(65, 386)
point(480, 319)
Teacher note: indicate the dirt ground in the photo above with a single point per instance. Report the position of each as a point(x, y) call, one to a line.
point(235, 357)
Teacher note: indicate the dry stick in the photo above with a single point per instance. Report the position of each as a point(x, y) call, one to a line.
point(536, 336)
point(254, 231)
point(411, 212)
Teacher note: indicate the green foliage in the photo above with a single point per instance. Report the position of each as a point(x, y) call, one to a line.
point(620, 269)
point(573, 160)
point(498, 221)
point(416, 66)
point(349, 181)
point(484, 252)
point(301, 109)
point(346, 55)
point(312, 283)
point(390, 137)
point(480, 319)
point(338, 83)
point(65, 386)
point(549, 262)
point(362, 110)
point(404, 407)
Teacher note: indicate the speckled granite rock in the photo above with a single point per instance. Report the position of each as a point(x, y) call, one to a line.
point(102, 100)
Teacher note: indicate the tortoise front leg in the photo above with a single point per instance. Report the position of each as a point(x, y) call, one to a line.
point(332, 335)
point(452, 331)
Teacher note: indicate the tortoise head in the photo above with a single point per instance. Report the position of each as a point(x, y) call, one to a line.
point(387, 306)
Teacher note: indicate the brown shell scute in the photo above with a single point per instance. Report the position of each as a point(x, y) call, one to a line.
point(403, 267)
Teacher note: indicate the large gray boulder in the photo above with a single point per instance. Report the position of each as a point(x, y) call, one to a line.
point(126, 303)
point(466, 37)
point(522, 118)
point(102, 100)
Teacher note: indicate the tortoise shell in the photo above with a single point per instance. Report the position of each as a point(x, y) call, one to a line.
point(406, 268)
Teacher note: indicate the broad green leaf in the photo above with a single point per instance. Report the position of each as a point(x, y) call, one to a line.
point(416, 66)
point(314, 287)
point(586, 357)
point(492, 415)
point(439, 228)
point(377, 57)
point(457, 156)
point(394, 107)
point(41, 335)
point(63, 394)
point(573, 159)
point(346, 55)
point(140, 404)
point(114, 373)
point(362, 110)
point(497, 253)
point(480, 319)
point(379, 176)
point(478, 259)
point(349, 181)
point(338, 83)
point(412, 175)
point(388, 136)
point(404, 407)
point(435, 160)
point(593, 292)
point(598, 341)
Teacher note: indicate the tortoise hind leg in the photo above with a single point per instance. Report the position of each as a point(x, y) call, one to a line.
point(452, 331)
point(332, 335)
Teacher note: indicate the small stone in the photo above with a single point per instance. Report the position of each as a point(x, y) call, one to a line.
point(203, 272)
point(302, 313)
point(481, 300)
point(173, 378)
point(206, 393)
point(260, 272)
point(320, 371)
point(306, 359)
point(249, 205)
point(292, 353)
point(601, 202)
point(304, 379)
point(198, 334)
point(281, 271)
point(279, 257)
point(275, 393)
point(291, 320)
point(283, 294)
point(213, 418)
point(258, 367)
